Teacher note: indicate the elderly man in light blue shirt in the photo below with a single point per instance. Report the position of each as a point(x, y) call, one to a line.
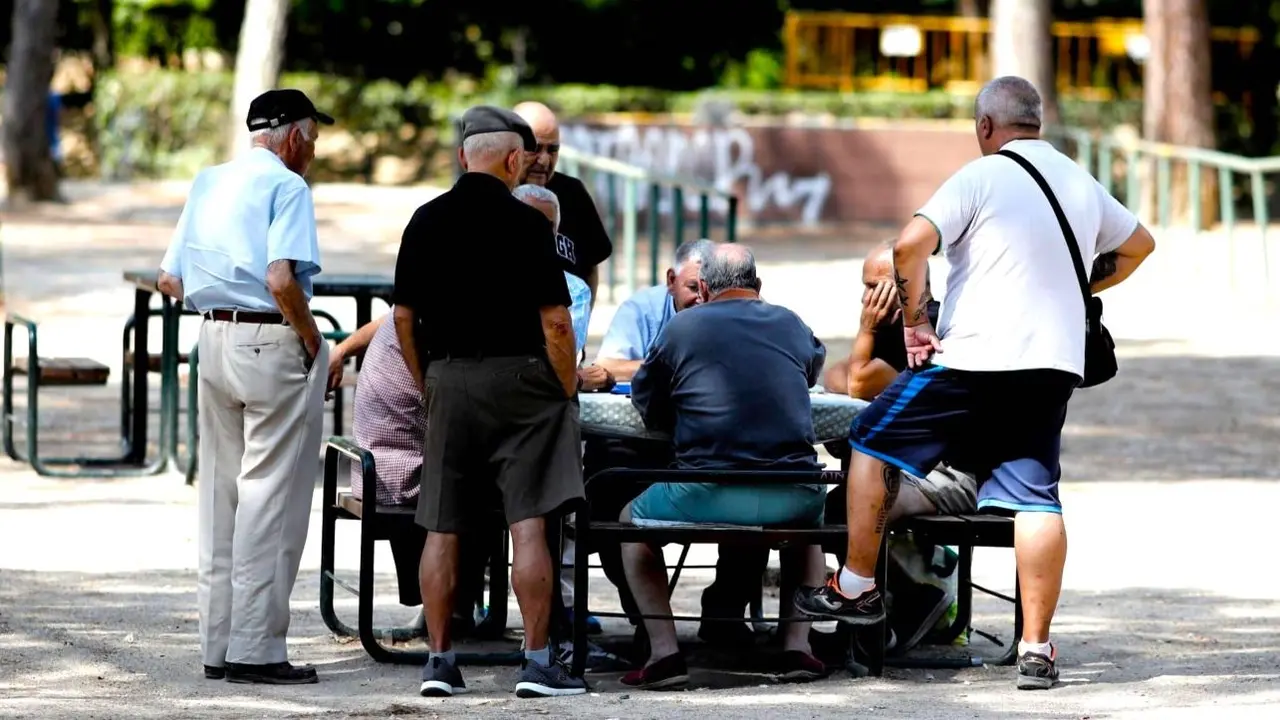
point(243, 256)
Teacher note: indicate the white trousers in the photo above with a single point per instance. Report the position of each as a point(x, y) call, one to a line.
point(261, 417)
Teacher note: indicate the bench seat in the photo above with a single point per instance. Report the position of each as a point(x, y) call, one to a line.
point(64, 371)
point(355, 508)
point(154, 359)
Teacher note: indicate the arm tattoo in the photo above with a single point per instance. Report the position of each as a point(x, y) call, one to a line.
point(922, 311)
point(1104, 266)
point(901, 282)
point(892, 477)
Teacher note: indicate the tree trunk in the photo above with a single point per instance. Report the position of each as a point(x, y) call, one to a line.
point(972, 8)
point(1021, 44)
point(104, 51)
point(1178, 97)
point(258, 61)
point(29, 164)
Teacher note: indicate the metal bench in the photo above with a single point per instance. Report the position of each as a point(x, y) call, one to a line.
point(378, 522)
point(866, 645)
point(49, 371)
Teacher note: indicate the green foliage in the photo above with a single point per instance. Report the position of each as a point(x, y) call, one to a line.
point(168, 123)
point(760, 70)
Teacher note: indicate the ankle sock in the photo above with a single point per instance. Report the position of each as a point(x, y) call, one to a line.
point(448, 657)
point(851, 584)
point(1044, 648)
point(542, 657)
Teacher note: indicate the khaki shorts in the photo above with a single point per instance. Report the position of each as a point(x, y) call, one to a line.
point(952, 492)
point(501, 421)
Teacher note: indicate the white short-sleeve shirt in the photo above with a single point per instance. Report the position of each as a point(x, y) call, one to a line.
point(1012, 298)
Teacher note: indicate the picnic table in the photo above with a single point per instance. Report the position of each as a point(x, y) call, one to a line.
point(363, 288)
point(610, 415)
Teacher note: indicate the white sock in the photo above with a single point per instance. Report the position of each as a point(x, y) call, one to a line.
point(1044, 648)
point(851, 584)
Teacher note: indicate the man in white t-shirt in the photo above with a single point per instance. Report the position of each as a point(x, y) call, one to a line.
point(1009, 352)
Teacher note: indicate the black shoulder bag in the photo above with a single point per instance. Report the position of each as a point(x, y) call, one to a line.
point(1099, 348)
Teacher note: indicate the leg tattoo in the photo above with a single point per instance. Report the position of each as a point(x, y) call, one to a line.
point(892, 477)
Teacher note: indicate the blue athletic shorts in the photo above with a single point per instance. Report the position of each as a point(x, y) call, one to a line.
point(1005, 428)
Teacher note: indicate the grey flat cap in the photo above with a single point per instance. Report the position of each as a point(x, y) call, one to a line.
point(488, 119)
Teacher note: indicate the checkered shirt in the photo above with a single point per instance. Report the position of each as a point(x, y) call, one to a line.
point(390, 420)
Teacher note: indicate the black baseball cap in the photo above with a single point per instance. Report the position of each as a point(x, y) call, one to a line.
point(488, 119)
point(275, 108)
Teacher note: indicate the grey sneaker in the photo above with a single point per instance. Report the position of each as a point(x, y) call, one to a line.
point(1037, 672)
point(441, 679)
point(538, 680)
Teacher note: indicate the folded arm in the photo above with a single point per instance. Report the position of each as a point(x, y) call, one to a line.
point(1112, 268)
point(860, 375)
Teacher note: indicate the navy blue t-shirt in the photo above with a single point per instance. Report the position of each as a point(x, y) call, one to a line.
point(730, 381)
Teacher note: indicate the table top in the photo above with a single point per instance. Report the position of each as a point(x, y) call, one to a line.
point(609, 415)
point(144, 279)
point(371, 284)
point(322, 284)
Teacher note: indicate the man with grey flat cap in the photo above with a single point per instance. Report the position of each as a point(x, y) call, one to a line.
point(499, 378)
point(243, 256)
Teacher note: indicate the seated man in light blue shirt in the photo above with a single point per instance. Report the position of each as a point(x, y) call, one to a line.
point(642, 316)
point(243, 256)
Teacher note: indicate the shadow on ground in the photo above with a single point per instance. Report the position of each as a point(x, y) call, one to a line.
point(71, 642)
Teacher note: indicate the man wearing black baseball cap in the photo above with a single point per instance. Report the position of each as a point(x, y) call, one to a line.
point(243, 256)
point(285, 121)
point(500, 379)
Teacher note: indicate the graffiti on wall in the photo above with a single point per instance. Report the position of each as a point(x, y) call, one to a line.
point(722, 157)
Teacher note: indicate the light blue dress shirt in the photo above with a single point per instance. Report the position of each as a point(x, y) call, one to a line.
point(637, 323)
point(579, 309)
point(240, 217)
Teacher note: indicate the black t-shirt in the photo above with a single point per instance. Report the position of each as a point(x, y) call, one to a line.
point(890, 345)
point(476, 265)
point(588, 242)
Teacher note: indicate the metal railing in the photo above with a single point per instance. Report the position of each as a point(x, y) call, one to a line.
point(618, 187)
point(1141, 174)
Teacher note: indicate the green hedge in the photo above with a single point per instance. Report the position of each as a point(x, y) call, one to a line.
point(169, 123)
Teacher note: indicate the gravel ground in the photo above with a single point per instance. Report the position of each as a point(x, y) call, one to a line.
point(1171, 608)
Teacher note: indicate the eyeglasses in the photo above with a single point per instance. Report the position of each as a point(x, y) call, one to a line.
point(551, 148)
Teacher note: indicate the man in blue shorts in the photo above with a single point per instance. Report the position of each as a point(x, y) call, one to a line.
point(1009, 353)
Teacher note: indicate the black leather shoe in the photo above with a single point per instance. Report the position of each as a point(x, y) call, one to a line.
point(271, 674)
point(213, 672)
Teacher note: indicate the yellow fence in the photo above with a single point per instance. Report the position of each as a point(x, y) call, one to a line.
point(913, 53)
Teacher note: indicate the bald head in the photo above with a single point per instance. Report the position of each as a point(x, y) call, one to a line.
point(542, 163)
point(729, 267)
point(878, 267)
point(1007, 108)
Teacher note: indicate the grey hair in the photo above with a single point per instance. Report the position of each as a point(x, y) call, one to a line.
point(694, 251)
point(273, 138)
point(483, 147)
point(730, 267)
point(1010, 100)
point(529, 192)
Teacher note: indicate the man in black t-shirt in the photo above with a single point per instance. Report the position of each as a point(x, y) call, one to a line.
point(579, 220)
point(878, 355)
point(499, 384)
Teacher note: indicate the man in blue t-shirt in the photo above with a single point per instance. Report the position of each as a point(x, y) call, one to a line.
point(729, 380)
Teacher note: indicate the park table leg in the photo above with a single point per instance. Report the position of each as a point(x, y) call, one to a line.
point(138, 436)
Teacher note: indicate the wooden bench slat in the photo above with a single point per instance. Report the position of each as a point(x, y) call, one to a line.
point(351, 504)
point(153, 360)
point(64, 371)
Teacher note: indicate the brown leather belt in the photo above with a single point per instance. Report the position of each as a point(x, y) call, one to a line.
point(246, 316)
